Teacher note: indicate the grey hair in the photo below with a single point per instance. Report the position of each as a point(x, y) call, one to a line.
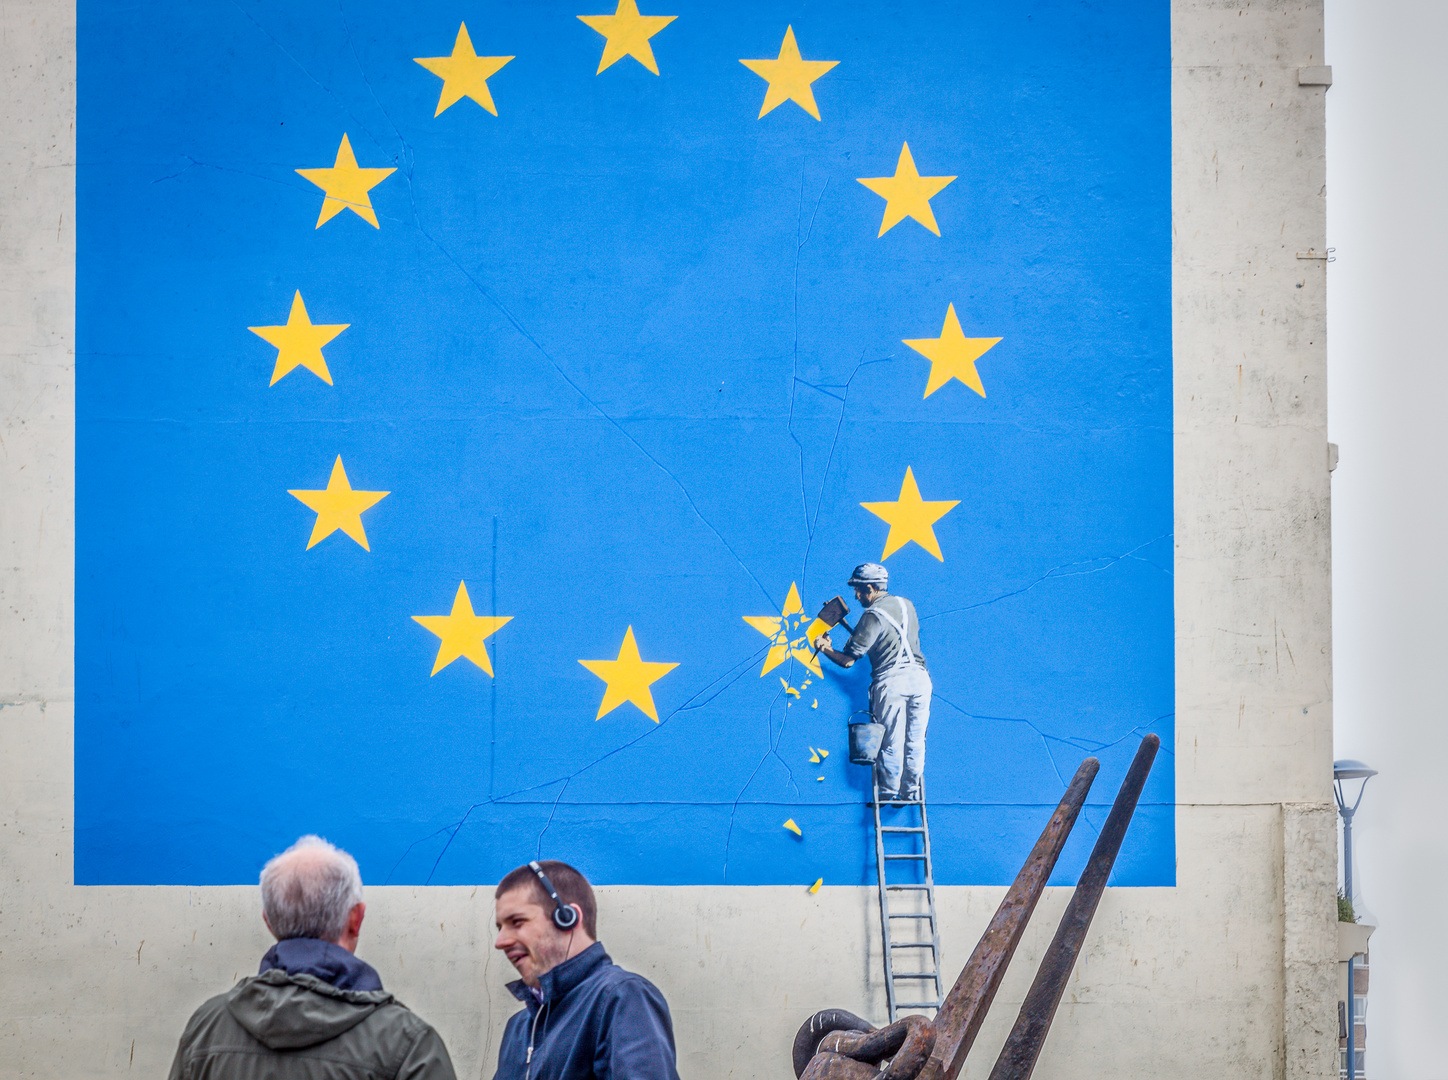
point(308, 890)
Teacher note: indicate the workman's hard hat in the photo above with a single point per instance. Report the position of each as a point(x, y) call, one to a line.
point(870, 573)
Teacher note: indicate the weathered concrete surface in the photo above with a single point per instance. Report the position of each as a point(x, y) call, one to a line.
point(1230, 973)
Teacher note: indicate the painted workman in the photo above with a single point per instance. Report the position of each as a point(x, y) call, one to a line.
point(888, 632)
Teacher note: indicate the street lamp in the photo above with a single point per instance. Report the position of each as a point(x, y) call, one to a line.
point(1349, 770)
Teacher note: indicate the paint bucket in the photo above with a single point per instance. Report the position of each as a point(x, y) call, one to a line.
point(865, 740)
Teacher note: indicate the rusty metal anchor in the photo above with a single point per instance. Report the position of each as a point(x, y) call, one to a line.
point(856, 1055)
point(837, 1045)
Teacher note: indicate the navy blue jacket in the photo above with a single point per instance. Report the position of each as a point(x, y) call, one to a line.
point(595, 1020)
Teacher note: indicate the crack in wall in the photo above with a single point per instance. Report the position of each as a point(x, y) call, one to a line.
point(829, 460)
point(195, 164)
point(318, 82)
point(794, 370)
point(487, 294)
point(538, 848)
point(772, 750)
point(731, 677)
point(407, 165)
point(1052, 574)
point(362, 72)
point(736, 672)
point(1092, 747)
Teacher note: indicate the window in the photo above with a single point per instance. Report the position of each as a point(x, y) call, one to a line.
point(1360, 1053)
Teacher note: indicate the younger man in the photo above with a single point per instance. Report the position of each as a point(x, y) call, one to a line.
point(583, 1016)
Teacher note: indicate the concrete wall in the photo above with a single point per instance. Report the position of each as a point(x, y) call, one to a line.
point(1229, 973)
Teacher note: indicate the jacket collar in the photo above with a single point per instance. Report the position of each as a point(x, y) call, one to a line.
point(323, 960)
point(556, 982)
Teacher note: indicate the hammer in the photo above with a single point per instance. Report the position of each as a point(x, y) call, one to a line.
point(833, 614)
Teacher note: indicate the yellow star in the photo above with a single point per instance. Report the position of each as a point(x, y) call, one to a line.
point(462, 632)
point(346, 186)
point(789, 76)
point(907, 193)
point(628, 34)
point(628, 678)
point(788, 635)
point(911, 518)
point(952, 355)
point(299, 343)
point(339, 507)
point(464, 73)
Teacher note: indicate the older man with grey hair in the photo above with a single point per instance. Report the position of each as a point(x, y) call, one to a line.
point(313, 1010)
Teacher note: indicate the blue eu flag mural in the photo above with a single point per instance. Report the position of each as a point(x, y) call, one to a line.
point(476, 403)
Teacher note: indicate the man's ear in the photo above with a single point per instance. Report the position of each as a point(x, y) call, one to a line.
point(579, 923)
point(353, 927)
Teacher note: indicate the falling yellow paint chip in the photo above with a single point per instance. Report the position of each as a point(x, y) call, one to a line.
point(824, 753)
point(816, 886)
point(815, 704)
point(814, 757)
point(819, 777)
point(792, 827)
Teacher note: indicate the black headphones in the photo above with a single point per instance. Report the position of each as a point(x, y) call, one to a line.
point(564, 916)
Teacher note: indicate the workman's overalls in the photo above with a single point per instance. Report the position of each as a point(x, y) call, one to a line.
point(900, 699)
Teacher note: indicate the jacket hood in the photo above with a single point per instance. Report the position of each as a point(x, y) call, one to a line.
point(327, 961)
point(289, 1011)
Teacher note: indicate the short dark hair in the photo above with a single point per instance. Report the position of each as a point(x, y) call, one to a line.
point(573, 888)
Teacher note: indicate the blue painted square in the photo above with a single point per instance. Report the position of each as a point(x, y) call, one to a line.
point(626, 354)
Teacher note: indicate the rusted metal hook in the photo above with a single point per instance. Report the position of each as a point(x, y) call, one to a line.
point(855, 1053)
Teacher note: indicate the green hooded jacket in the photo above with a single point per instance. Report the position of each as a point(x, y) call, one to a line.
point(280, 1026)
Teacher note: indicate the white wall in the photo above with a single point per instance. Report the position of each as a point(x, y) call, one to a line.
point(1230, 973)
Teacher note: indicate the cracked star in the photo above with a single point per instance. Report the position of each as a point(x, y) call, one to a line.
point(346, 186)
point(790, 633)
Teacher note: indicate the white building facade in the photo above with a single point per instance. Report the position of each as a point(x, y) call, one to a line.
point(1231, 972)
